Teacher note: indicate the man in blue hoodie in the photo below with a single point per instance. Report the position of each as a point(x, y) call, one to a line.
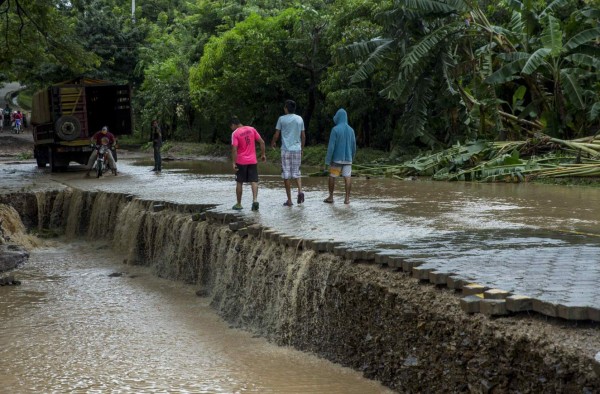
point(340, 153)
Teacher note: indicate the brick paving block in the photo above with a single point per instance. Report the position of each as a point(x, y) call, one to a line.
point(519, 303)
point(473, 288)
point(455, 282)
point(395, 261)
point(368, 255)
point(340, 250)
point(321, 246)
point(495, 294)
point(409, 264)
point(572, 312)
point(379, 257)
point(545, 308)
point(421, 273)
point(470, 304)
point(593, 314)
point(493, 307)
point(330, 245)
point(438, 278)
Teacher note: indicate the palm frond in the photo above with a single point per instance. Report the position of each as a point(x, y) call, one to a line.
point(436, 7)
point(594, 111)
point(552, 36)
point(583, 60)
point(507, 72)
point(582, 38)
point(571, 88)
point(537, 59)
point(555, 5)
point(424, 48)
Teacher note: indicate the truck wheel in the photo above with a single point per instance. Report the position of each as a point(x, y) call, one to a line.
point(68, 127)
point(40, 158)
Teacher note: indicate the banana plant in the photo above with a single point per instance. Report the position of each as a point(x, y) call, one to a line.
point(561, 72)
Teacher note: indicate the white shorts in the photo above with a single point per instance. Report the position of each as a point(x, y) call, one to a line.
point(336, 169)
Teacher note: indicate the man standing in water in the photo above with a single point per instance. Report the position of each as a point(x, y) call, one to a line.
point(293, 137)
point(340, 153)
point(243, 156)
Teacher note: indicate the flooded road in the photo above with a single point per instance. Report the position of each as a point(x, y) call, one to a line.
point(542, 241)
point(72, 327)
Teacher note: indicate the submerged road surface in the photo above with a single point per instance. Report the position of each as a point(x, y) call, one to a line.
point(536, 240)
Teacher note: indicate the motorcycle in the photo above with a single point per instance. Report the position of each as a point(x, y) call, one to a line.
point(101, 165)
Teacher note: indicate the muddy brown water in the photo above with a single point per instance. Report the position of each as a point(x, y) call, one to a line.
point(72, 327)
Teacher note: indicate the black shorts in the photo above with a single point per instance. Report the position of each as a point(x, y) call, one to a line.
point(246, 173)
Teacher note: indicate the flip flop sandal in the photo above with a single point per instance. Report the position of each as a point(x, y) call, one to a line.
point(328, 201)
point(287, 204)
point(300, 198)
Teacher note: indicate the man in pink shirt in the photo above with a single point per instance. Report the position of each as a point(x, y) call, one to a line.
point(243, 156)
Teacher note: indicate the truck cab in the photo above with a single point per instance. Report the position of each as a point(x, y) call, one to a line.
point(66, 115)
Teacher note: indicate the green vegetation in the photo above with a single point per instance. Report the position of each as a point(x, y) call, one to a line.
point(25, 98)
point(414, 75)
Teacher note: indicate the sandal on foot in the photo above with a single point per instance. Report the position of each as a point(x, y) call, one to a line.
point(237, 207)
point(287, 204)
point(300, 198)
point(255, 206)
point(328, 201)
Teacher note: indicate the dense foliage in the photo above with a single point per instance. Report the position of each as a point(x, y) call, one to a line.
point(412, 74)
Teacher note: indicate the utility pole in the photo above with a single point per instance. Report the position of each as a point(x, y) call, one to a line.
point(133, 11)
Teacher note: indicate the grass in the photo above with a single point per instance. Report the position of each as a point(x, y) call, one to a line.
point(25, 98)
point(313, 155)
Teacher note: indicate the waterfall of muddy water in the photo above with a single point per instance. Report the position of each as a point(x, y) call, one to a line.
point(12, 229)
point(71, 327)
point(138, 333)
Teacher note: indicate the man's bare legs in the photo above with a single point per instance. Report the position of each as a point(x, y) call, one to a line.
point(288, 189)
point(254, 191)
point(348, 186)
point(238, 192)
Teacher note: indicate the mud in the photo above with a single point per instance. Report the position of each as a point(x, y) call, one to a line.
point(413, 337)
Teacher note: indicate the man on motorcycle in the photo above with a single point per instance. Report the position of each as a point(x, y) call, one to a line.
point(103, 137)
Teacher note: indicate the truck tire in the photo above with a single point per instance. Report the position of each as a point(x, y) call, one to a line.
point(40, 158)
point(68, 128)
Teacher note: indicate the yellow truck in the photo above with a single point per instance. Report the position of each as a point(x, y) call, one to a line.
point(66, 115)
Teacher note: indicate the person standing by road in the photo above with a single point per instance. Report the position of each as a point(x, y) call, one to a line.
point(243, 157)
point(340, 153)
point(293, 137)
point(7, 115)
point(156, 137)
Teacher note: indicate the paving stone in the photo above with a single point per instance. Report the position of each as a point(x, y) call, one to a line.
point(368, 255)
point(409, 264)
point(421, 273)
point(545, 308)
point(438, 278)
point(455, 282)
point(495, 294)
point(519, 303)
point(572, 312)
point(493, 307)
point(473, 288)
point(470, 304)
point(395, 261)
point(234, 226)
point(593, 313)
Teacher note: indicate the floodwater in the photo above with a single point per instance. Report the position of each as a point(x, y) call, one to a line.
point(72, 327)
point(541, 241)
